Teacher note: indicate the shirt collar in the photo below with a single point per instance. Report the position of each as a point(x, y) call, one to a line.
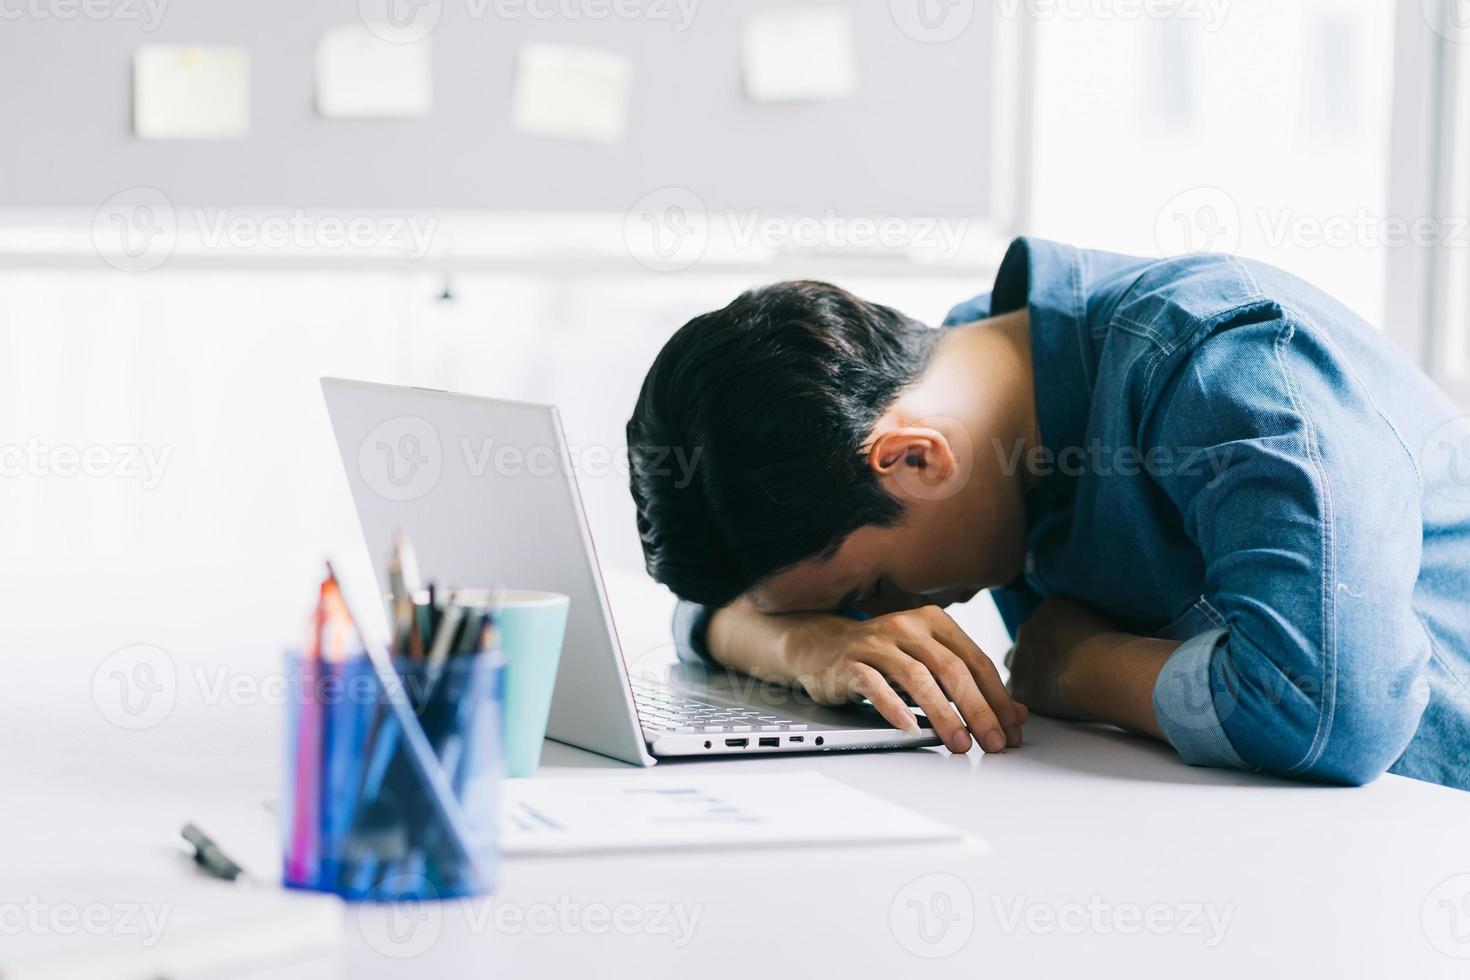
point(1046, 279)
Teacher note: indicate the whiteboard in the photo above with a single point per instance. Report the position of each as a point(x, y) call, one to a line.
point(913, 140)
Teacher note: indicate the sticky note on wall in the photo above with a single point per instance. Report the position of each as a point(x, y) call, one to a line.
point(359, 75)
point(571, 93)
point(801, 54)
point(183, 92)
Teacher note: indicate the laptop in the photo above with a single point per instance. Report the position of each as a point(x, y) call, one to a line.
point(486, 490)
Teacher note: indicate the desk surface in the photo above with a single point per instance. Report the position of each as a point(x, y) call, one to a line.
point(1104, 854)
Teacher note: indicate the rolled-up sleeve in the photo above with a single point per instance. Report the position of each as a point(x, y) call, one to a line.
point(1184, 705)
point(1304, 504)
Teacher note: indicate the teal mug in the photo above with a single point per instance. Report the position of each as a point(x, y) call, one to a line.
point(532, 627)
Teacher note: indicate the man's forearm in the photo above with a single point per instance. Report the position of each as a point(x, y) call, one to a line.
point(1111, 679)
point(743, 638)
point(1070, 662)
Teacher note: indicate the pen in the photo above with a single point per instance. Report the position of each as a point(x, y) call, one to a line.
point(207, 855)
point(403, 584)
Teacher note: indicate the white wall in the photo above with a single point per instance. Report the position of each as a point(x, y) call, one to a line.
point(1146, 135)
point(215, 373)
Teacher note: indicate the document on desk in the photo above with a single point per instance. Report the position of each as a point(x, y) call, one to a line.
point(651, 812)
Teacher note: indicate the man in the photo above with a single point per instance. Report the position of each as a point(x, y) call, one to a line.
point(1214, 505)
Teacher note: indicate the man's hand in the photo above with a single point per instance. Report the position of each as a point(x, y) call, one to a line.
point(1069, 662)
point(919, 651)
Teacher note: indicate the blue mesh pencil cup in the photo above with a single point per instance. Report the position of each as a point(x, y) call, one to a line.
point(388, 805)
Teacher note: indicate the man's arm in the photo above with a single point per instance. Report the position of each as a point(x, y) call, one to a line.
point(1069, 662)
point(1305, 508)
point(836, 659)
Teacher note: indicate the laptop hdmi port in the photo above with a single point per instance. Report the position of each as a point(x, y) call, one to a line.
point(737, 743)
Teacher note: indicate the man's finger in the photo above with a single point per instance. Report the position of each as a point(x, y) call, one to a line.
point(994, 691)
point(956, 678)
point(948, 632)
point(917, 681)
point(870, 684)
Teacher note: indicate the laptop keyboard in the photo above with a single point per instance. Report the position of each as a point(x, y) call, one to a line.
point(662, 710)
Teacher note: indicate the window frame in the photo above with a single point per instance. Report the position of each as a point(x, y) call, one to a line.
point(1429, 288)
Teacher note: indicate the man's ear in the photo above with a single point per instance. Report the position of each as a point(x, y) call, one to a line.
point(913, 451)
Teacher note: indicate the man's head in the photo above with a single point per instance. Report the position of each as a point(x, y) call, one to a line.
point(807, 489)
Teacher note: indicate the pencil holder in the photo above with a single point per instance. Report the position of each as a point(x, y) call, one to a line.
point(362, 814)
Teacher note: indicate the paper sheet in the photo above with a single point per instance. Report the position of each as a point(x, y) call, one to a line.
point(184, 92)
point(572, 93)
point(655, 812)
point(799, 55)
point(361, 76)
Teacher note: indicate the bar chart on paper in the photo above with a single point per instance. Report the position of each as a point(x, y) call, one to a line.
point(649, 812)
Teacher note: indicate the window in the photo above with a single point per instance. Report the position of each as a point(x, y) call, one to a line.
point(1255, 127)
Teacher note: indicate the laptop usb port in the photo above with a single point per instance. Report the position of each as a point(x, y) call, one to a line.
point(737, 743)
point(771, 742)
point(797, 738)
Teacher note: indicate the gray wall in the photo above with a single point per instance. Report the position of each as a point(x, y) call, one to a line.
point(914, 140)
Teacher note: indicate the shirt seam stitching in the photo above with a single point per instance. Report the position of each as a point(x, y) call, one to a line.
point(1123, 322)
point(1326, 595)
point(1435, 656)
point(1165, 349)
point(1347, 366)
point(1079, 317)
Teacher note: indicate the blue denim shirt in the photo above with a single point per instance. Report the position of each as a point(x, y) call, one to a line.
point(1234, 460)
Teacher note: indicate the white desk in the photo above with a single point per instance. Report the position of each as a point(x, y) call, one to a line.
point(1090, 833)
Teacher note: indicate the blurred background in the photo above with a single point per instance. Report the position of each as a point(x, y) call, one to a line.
point(206, 206)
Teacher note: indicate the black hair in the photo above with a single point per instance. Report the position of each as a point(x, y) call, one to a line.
point(746, 446)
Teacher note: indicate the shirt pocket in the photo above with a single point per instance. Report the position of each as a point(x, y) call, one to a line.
point(1198, 618)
